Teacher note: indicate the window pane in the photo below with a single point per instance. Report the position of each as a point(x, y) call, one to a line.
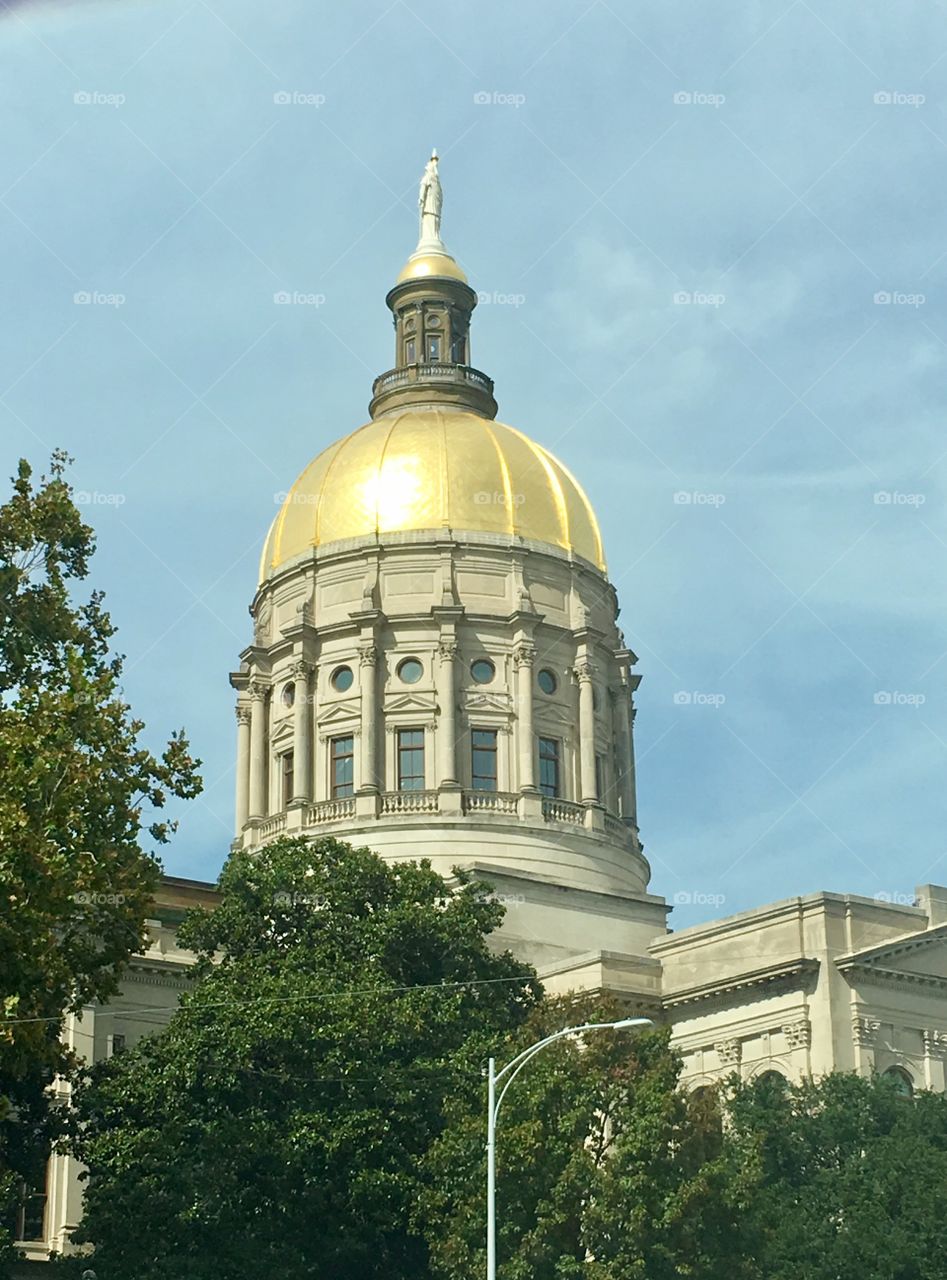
point(483, 750)
point(410, 759)
point(286, 761)
point(342, 773)
point(549, 767)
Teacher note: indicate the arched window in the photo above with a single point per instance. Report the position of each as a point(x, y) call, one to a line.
point(903, 1084)
point(772, 1080)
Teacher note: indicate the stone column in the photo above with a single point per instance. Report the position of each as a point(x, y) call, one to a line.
point(584, 671)
point(257, 749)
point(447, 651)
point(302, 722)
point(368, 682)
point(242, 806)
point(524, 657)
point(625, 764)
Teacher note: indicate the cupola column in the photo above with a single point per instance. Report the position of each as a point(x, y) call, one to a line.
point(524, 657)
point(242, 806)
point(447, 650)
point(624, 732)
point(584, 673)
point(257, 749)
point(302, 728)
point(368, 687)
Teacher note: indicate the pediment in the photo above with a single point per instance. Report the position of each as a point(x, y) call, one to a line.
point(411, 702)
point(915, 956)
point(487, 702)
point(340, 711)
point(282, 732)
point(553, 715)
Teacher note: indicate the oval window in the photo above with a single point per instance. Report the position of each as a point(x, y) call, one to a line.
point(547, 681)
point(483, 670)
point(342, 679)
point(410, 671)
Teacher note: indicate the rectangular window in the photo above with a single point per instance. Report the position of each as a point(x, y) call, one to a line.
point(286, 778)
point(458, 351)
point(483, 751)
point(342, 767)
point(116, 1044)
point(27, 1220)
point(434, 347)
point(410, 759)
point(549, 757)
point(410, 352)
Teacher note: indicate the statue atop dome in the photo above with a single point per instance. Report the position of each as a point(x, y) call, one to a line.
point(430, 201)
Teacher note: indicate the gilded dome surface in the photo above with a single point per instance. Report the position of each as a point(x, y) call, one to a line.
point(422, 265)
point(433, 469)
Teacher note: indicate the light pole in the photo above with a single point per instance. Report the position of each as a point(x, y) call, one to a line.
point(513, 1069)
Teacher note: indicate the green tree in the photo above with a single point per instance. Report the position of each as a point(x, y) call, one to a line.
point(852, 1178)
point(605, 1168)
point(75, 881)
point(278, 1125)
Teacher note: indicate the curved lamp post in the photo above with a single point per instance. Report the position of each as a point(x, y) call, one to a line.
point(512, 1070)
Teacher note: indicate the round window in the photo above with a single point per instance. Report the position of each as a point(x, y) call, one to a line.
point(410, 671)
point(288, 695)
point(483, 670)
point(342, 679)
point(547, 681)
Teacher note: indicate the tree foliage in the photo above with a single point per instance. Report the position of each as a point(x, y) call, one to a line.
point(279, 1124)
point(75, 881)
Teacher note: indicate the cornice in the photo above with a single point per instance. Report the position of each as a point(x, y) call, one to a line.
point(788, 974)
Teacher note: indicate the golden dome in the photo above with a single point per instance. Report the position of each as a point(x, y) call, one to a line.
point(422, 265)
point(433, 469)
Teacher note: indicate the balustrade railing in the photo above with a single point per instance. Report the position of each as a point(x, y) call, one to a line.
point(409, 802)
point(490, 802)
point(564, 811)
point(332, 810)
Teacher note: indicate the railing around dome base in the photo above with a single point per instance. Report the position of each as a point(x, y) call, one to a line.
point(564, 811)
point(440, 373)
point(331, 811)
point(490, 802)
point(408, 802)
point(272, 826)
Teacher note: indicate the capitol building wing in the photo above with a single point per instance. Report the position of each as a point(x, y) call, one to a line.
point(436, 671)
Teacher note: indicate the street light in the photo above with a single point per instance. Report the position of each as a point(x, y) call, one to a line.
point(513, 1068)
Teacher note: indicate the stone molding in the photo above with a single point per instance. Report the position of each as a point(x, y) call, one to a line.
point(935, 1044)
point(368, 655)
point(730, 1052)
point(865, 1030)
point(524, 653)
point(242, 713)
point(258, 689)
point(798, 1034)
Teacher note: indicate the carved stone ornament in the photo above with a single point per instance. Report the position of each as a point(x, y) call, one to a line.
point(258, 690)
point(730, 1052)
point(524, 653)
point(243, 713)
point(447, 650)
point(864, 1030)
point(935, 1044)
point(367, 655)
point(583, 670)
point(302, 670)
point(798, 1034)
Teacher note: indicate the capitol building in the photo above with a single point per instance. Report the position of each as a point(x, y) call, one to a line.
point(436, 670)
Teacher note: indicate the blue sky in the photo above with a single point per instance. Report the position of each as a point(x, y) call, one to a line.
point(724, 230)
